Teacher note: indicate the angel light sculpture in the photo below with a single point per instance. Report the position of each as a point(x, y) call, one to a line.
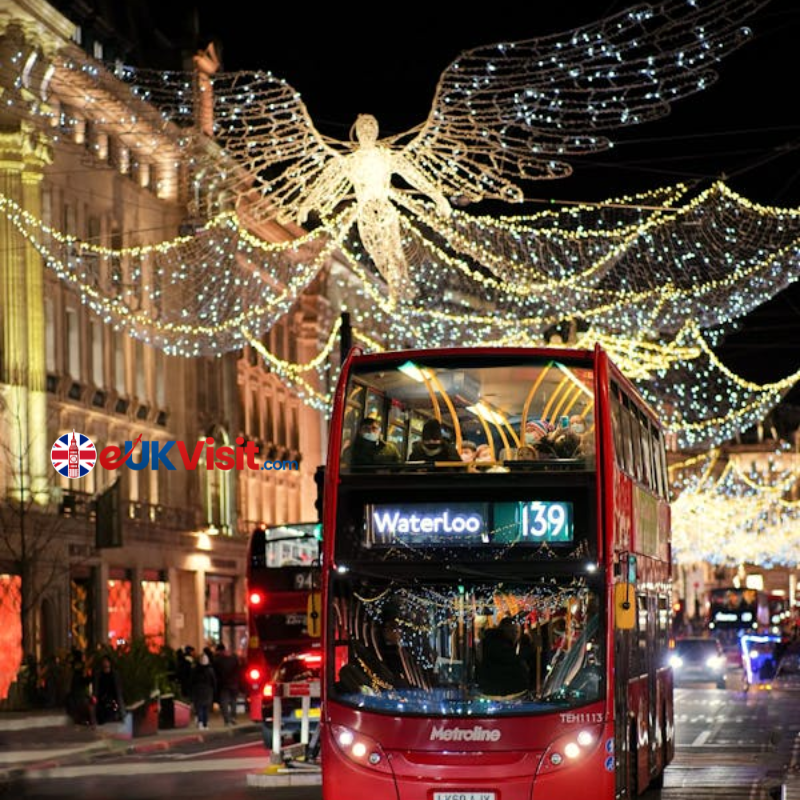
point(502, 114)
point(369, 170)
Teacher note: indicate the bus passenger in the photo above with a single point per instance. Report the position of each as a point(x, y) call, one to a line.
point(468, 451)
point(503, 671)
point(535, 432)
point(433, 446)
point(369, 449)
point(577, 425)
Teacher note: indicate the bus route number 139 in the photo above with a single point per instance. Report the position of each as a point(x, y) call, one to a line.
point(547, 521)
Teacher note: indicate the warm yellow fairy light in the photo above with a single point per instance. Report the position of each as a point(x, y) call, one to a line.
point(746, 515)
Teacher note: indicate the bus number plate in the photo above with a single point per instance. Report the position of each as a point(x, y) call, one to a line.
point(460, 795)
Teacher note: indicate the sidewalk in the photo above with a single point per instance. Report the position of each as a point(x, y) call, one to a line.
point(48, 739)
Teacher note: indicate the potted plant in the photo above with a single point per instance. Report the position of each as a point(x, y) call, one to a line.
point(142, 673)
point(172, 711)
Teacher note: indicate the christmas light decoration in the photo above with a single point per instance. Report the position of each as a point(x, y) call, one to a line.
point(656, 278)
point(644, 274)
point(502, 114)
point(737, 510)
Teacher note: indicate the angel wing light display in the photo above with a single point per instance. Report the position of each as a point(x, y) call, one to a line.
point(502, 114)
point(643, 272)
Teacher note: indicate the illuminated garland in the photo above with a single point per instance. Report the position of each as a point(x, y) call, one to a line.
point(645, 274)
point(729, 513)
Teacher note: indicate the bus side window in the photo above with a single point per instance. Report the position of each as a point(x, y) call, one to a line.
point(629, 433)
point(662, 459)
point(663, 628)
point(642, 632)
point(647, 453)
point(658, 463)
point(616, 426)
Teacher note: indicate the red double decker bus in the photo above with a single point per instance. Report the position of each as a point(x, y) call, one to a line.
point(497, 627)
point(282, 574)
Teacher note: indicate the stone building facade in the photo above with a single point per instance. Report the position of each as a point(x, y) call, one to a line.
point(174, 570)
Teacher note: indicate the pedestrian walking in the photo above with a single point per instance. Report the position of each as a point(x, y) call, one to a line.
point(226, 667)
point(183, 669)
point(203, 686)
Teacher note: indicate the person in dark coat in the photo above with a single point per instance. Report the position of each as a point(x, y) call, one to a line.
point(185, 663)
point(503, 669)
point(226, 667)
point(369, 449)
point(107, 687)
point(203, 687)
point(79, 699)
point(433, 447)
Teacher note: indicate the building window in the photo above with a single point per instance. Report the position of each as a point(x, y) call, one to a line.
point(155, 607)
point(161, 366)
point(73, 344)
point(10, 631)
point(97, 353)
point(269, 426)
point(141, 371)
point(256, 429)
point(280, 437)
point(120, 611)
point(218, 491)
point(119, 364)
point(294, 440)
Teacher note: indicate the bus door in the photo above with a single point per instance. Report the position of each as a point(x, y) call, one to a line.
point(622, 663)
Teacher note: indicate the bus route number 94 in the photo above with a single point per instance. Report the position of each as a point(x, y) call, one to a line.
point(304, 580)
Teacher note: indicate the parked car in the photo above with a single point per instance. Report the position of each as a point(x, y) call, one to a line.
point(699, 660)
point(302, 671)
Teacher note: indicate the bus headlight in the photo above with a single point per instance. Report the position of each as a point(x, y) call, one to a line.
point(360, 749)
point(570, 748)
point(676, 662)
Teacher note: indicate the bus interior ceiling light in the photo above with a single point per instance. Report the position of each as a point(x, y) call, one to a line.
point(574, 378)
point(484, 412)
point(411, 370)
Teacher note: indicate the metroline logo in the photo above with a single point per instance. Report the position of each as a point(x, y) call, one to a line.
point(155, 455)
point(477, 733)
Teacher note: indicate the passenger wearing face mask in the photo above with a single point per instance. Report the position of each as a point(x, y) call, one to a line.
point(577, 424)
point(370, 449)
point(433, 446)
point(536, 432)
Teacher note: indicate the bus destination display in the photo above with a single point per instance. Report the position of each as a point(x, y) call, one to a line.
point(470, 524)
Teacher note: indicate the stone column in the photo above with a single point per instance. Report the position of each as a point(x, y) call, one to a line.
point(23, 155)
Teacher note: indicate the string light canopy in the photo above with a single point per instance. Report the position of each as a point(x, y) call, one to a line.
point(737, 509)
point(656, 278)
point(502, 114)
point(643, 275)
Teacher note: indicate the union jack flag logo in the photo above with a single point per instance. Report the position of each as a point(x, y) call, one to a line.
point(73, 455)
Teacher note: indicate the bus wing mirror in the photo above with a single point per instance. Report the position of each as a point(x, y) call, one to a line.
point(624, 606)
point(313, 615)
